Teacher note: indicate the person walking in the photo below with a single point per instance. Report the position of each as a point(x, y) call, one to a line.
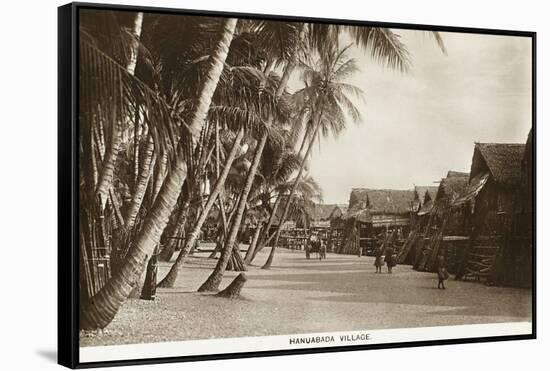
point(323, 247)
point(442, 273)
point(379, 259)
point(390, 259)
point(309, 246)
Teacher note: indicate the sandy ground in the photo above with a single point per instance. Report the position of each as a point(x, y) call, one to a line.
point(301, 296)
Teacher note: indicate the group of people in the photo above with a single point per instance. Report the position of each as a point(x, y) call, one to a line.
point(316, 244)
point(385, 255)
point(385, 252)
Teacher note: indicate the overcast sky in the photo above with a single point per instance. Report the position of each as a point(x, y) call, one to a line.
point(419, 125)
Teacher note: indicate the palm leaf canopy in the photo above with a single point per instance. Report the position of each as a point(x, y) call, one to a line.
point(327, 93)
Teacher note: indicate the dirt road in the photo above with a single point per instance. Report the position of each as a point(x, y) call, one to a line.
point(301, 296)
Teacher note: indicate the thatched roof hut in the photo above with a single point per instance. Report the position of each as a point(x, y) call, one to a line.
point(381, 201)
point(322, 212)
point(381, 207)
point(489, 203)
point(372, 209)
point(514, 223)
point(496, 167)
point(424, 197)
point(338, 211)
point(502, 161)
point(452, 187)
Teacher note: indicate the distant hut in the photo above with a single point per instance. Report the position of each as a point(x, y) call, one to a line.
point(424, 199)
point(295, 228)
point(336, 231)
point(372, 211)
point(490, 198)
point(320, 218)
point(451, 188)
point(494, 179)
point(442, 220)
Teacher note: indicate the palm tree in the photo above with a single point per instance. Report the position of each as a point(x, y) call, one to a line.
point(324, 105)
point(384, 46)
point(270, 108)
point(278, 164)
point(243, 94)
point(99, 311)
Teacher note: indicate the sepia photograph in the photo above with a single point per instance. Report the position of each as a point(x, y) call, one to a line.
point(255, 184)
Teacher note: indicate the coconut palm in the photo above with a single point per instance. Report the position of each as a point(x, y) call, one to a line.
point(107, 53)
point(271, 108)
point(244, 95)
point(278, 164)
point(324, 103)
point(99, 311)
point(384, 46)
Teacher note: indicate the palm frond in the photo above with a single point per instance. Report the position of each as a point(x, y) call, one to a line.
point(110, 95)
point(383, 44)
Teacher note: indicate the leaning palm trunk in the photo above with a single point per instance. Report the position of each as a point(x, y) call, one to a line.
point(214, 280)
point(236, 262)
point(253, 244)
point(136, 33)
point(160, 175)
point(267, 264)
point(108, 166)
point(172, 275)
point(141, 186)
point(173, 232)
point(111, 154)
point(264, 240)
point(100, 310)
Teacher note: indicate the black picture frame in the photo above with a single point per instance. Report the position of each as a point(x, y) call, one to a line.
point(68, 192)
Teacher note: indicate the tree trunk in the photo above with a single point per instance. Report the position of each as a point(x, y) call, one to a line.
point(222, 233)
point(233, 291)
point(253, 243)
point(141, 185)
point(111, 153)
point(108, 166)
point(136, 33)
point(170, 278)
point(175, 230)
point(149, 289)
point(100, 310)
point(265, 235)
point(213, 281)
point(269, 261)
point(160, 175)
point(137, 136)
point(237, 259)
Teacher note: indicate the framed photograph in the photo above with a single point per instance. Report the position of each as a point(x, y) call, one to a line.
point(243, 185)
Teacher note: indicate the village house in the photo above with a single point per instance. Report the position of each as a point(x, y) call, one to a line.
point(372, 211)
point(490, 200)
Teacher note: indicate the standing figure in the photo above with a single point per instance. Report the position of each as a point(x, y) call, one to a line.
point(390, 259)
point(442, 273)
point(323, 250)
point(313, 245)
point(379, 259)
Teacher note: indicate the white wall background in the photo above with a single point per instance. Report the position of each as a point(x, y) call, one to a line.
point(28, 155)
